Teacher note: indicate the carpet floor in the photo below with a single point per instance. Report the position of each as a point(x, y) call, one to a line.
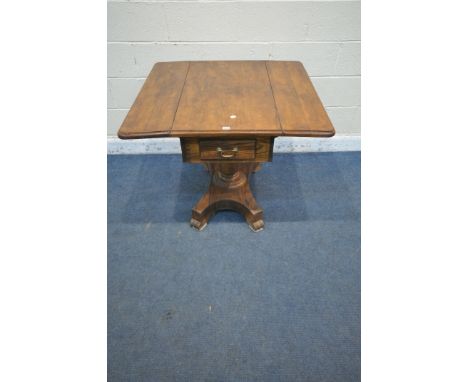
point(228, 304)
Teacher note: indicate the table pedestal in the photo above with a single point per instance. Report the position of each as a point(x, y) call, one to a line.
point(229, 190)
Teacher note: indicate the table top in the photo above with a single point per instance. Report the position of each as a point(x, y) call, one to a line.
point(227, 98)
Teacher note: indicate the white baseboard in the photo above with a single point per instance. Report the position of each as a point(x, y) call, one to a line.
point(116, 146)
point(305, 145)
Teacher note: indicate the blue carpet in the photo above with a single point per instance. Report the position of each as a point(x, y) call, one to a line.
point(227, 304)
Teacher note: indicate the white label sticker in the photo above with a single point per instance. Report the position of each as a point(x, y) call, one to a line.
point(226, 127)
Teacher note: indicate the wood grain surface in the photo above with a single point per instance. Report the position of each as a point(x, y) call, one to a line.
point(152, 113)
point(300, 110)
point(192, 149)
point(227, 98)
point(228, 150)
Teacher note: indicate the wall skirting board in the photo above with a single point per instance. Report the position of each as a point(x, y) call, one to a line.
point(116, 146)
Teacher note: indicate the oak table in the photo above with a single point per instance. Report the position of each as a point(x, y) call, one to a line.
point(227, 115)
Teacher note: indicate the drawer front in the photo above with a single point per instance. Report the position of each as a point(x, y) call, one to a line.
point(227, 150)
point(198, 150)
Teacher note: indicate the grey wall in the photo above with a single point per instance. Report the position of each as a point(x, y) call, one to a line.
point(324, 35)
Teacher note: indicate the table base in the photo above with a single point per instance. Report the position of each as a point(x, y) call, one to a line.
point(229, 189)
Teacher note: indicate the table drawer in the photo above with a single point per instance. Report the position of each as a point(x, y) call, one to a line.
point(198, 150)
point(227, 149)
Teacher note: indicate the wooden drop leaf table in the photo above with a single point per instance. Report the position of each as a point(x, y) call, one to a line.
point(227, 115)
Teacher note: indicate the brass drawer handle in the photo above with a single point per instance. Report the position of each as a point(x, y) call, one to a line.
point(223, 153)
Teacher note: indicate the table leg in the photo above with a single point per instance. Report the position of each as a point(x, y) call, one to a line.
point(229, 190)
